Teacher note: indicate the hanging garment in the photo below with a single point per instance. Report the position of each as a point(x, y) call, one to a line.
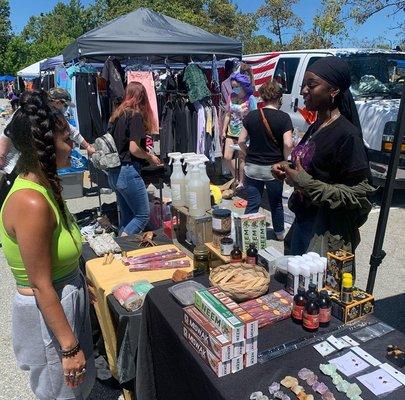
point(208, 120)
point(215, 76)
point(217, 134)
point(196, 83)
point(180, 127)
point(73, 110)
point(114, 75)
point(166, 134)
point(200, 129)
point(87, 107)
point(146, 78)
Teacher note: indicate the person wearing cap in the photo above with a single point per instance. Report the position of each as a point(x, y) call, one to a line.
point(61, 99)
point(330, 170)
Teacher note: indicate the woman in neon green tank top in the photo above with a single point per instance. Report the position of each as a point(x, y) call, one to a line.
point(42, 244)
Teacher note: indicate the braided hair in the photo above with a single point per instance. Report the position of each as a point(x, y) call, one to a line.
point(32, 131)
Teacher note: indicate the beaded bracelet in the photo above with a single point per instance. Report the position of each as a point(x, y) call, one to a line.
point(71, 352)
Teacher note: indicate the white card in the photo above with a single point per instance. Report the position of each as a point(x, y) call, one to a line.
point(349, 340)
point(338, 343)
point(379, 382)
point(365, 356)
point(350, 363)
point(324, 348)
point(399, 376)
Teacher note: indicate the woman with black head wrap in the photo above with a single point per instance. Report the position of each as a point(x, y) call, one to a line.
point(330, 166)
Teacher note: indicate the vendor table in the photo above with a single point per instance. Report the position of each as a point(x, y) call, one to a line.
point(105, 277)
point(168, 368)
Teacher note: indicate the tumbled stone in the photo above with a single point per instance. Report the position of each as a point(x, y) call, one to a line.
point(286, 397)
point(301, 396)
point(263, 397)
point(274, 387)
point(328, 369)
point(312, 379)
point(278, 395)
point(297, 389)
point(353, 390)
point(328, 396)
point(336, 379)
point(320, 387)
point(289, 381)
point(256, 395)
point(304, 373)
point(309, 397)
point(342, 386)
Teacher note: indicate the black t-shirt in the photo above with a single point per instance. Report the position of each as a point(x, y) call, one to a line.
point(262, 149)
point(114, 75)
point(129, 126)
point(339, 155)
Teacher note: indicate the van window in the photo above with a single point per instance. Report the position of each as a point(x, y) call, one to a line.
point(285, 73)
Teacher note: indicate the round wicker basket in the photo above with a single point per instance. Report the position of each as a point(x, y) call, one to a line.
point(240, 281)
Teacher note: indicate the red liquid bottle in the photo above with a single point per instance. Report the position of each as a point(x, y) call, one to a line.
point(310, 319)
point(325, 308)
point(251, 254)
point(299, 306)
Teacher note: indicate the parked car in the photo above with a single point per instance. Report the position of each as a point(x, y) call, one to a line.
point(377, 80)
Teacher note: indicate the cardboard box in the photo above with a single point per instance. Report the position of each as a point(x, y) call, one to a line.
point(208, 334)
point(251, 324)
point(251, 345)
point(363, 304)
point(220, 368)
point(270, 308)
point(339, 262)
point(219, 315)
point(250, 358)
point(237, 364)
point(239, 348)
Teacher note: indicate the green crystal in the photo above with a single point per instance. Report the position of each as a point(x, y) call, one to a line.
point(353, 391)
point(328, 369)
point(336, 378)
point(342, 386)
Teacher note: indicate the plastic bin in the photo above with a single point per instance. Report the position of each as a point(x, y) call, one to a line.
point(72, 183)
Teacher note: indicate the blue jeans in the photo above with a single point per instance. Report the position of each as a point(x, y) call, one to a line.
point(254, 189)
point(132, 197)
point(302, 233)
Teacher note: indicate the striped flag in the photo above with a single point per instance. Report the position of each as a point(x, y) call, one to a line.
point(263, 67)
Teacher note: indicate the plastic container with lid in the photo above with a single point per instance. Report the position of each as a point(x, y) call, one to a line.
point(222, 221)
point(184, 292)
point(201, 261)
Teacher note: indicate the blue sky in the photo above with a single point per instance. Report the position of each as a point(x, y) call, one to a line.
point(377, 26)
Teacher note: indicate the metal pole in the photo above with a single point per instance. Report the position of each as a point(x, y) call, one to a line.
point(378, 253)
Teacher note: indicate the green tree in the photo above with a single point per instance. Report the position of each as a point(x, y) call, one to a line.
point(328, 25)
point(17, 55)
point(5, 31)
point(259, 44)
point(279, 16)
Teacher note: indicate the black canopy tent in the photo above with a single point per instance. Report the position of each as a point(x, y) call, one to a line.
point(147, 34)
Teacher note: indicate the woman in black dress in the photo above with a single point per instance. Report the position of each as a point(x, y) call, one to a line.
point(330, 168)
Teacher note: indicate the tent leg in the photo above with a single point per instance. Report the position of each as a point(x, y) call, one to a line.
point(378, 253)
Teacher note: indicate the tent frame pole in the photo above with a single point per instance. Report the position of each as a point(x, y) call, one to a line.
point(378, 253)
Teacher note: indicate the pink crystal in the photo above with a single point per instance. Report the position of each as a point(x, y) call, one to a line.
point(304, 373)
point(312, 379)
point(320, 387)
point(328, 396)
point(274, 387)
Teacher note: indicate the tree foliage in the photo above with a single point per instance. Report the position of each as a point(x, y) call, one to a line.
point(279, 17)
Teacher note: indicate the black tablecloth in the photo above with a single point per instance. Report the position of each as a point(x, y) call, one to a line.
point(127, 323)
point(169, 369)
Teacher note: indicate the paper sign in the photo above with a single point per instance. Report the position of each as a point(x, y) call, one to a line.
point(338, 343)
point(379, 382)
point(399, 376)
point(350, 363)
point(324, 348)
point(349, 340)
point(365, 356)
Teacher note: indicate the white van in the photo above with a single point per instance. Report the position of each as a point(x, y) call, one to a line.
point(377, 80)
